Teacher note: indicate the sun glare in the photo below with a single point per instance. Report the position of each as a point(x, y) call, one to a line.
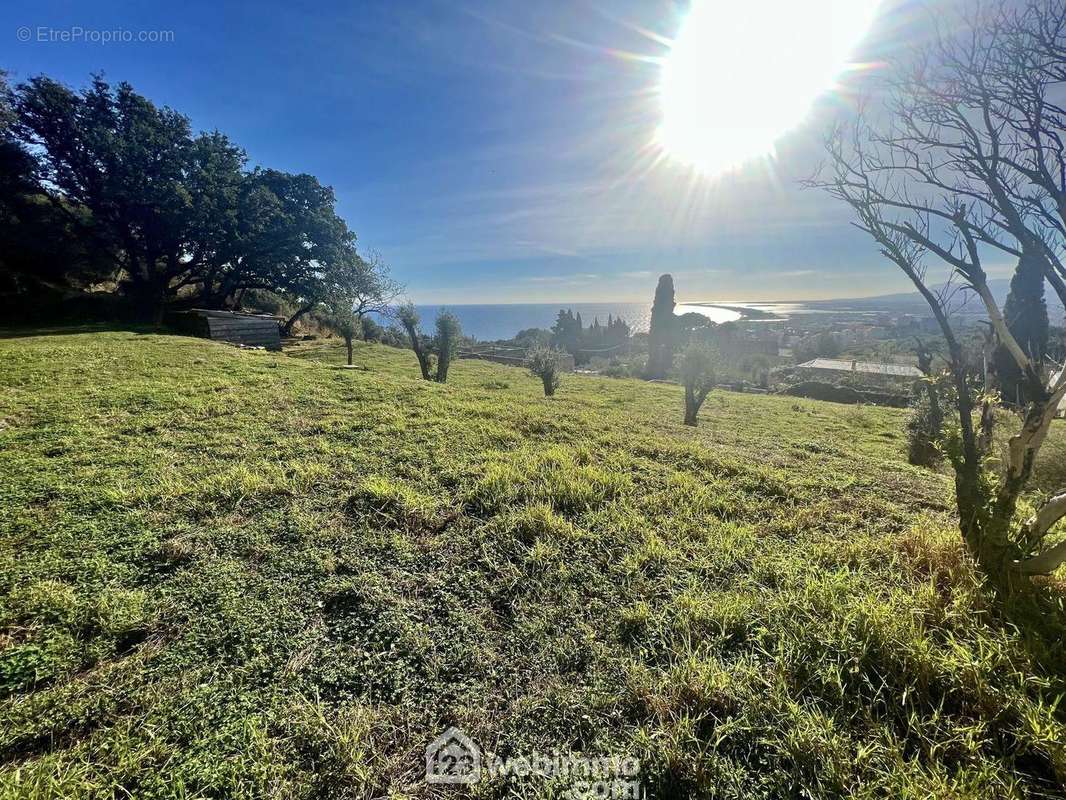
point(741, 73)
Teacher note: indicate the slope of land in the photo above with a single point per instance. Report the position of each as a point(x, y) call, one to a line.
point(241, 574)
point(911, 302)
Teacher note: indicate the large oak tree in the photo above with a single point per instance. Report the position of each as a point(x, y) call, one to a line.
point(180, 218)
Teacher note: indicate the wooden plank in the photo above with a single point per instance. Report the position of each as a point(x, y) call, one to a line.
point(237, 325)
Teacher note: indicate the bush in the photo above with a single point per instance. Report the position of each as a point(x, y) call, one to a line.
point(394, 336)
point(616, 369)
point(543, 363)
point(372, 331)
point(925, 430)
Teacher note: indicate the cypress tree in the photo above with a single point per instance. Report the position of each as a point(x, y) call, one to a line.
point(1026, 314)
point(661, 333)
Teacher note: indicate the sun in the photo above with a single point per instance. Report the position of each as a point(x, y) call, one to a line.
point(741, 73)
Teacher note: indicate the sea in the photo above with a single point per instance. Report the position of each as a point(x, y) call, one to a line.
point(504, 320)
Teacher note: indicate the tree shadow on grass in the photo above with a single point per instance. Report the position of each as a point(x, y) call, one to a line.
point(68, 329)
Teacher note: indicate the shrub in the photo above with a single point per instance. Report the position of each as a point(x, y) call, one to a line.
point(925, 429)
point(372, 331)
point(543, 363)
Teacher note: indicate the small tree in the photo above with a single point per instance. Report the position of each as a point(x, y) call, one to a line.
point(374, 290)
point(340, 317)
point(448, 333)
point(543, 363)
point(409, 319)
point(925, 426)
point(757, 367)
point(698, 366)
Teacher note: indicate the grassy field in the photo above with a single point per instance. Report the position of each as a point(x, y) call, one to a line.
point(230, 573)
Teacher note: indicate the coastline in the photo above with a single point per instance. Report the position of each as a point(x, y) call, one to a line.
point(745, 312)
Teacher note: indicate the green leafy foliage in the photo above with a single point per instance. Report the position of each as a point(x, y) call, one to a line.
point(1026, 314)
point(543, 363)
point(925, 426)
point(699, 364)
point(446, 343)
point(662, 333)
point(176, 216)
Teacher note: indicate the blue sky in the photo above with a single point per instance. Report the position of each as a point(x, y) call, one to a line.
point(491, 151)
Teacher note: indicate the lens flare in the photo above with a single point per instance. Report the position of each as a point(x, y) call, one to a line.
point(742, 73)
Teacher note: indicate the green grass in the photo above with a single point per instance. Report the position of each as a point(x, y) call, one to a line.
point(230, 573)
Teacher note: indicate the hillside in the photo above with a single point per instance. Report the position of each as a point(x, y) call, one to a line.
point(241, 574)
point(965, 301)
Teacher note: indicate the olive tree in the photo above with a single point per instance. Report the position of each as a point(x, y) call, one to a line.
point(544, 363)
point(447, 343)
point(698, 365)
point(962, 161)
point(409, 319)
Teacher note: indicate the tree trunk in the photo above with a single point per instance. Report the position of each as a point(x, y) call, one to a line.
point(286, 328)
point(444, 360)
point(984, 535)
point(160, 312)
point(692, 408)
point(348, 343)
point(154, 298)
point(420, 354)
point(548, 379)
point(936, 414)
point(423, 363)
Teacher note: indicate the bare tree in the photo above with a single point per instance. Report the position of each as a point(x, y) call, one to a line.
point(375, 291)
point(963, 161)
point(362, 287)
point(338, 314)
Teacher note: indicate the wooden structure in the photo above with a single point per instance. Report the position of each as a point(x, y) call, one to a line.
point(250, 330)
